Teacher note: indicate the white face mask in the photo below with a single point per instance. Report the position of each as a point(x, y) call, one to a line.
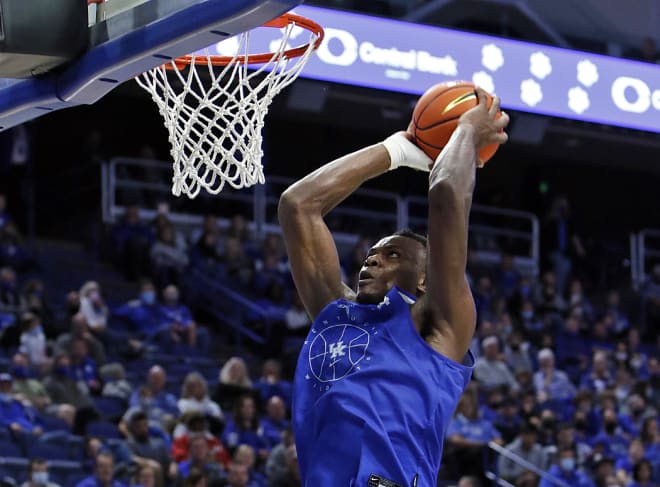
point(40, 478)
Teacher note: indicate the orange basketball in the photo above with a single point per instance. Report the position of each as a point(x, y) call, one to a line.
point(436, 116)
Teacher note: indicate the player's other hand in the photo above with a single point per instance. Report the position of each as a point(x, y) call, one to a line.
point(486, 123)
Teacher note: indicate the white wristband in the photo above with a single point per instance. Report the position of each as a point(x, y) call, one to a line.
point(404, 153)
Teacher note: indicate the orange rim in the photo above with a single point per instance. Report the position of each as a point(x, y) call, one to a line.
point(278, 23)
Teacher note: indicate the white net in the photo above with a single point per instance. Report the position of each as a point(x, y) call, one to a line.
point(214, 115)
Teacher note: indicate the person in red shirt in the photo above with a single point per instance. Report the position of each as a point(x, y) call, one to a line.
point(196, 424)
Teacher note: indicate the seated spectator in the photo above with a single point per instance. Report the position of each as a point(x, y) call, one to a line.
point(531, 320)
point(200, 459)
point(145, 476)
point(275, 422)
point(642, 475)
point(549, 382)
point(168, 256)
point(160, 405)
point(490, 369)
point(13, 252)
point(507, 420)
point(244, 455)
point(467, 437)
point(469, 481)
point(206, 253)
point(38, 474)
point(79, 330)
point(114, 380)
point(572, 350)
point(619, 316)
point(103, 473)
point(566, 470)
point(9, 297)
point(33, 341)
point(83, 367)
point(271, 383)
point(566, 438)
point(624, 465)
point(197, 425)
point(239, 267)
point(146, 446)
point(238, 475)
point(195, 397)
point(182, 326)
point(599, 378)
point(131, 241)
point(14, 415)
point(234, 381)
point(25, 387)
point(296, 319)
point(93, 307)
point(616, 444)
point(209, 225)
point(483, 298)
point(277, 467)
point(291, 477)
point(516, 353)
point(144, 313)
point(507, 276)
point(526, 447)
point(577, 299)
point(243, 427)
point(33, 299)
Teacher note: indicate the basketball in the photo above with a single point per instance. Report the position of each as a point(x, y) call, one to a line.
point(436, 116)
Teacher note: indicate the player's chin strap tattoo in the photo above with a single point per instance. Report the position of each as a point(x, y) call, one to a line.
point(404, 153)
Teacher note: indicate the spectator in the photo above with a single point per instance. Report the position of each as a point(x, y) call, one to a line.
point(243, 427)
point(131, 241)
point(291, 477)
point(277, 468)
point(642, 475)
point(239, 267)
point(239, 476)
point(491, 370)
point(531, 322)
point(145, 476)
point(271, 383)
point(566, 470)
point(234, 382)
point(62, 386)
point(238, 229)
point(146, 446)
point(516, 353)
point(525, 446)
point(566, 438)
point(483, 298)
point(9, 298)
point(209, 226)
point(195, 397)
point(467, 437)
point(624, 465)
point(507, 421)
point(244, 455)
point(114, 381)
point(600, 378)
point(38, 474)
point(143, 314)
point(610, 435)
point(12, 251)
point(549, 382)
point(201, 459)
point(168, 256)
point(507, 276)
point(206, 253)
point(33, 299)
point(80, 331)
point(33, 341)
point(619, 316)
point(576, 299)
point(469, 481)
point(572, 351)
point(178, 317)
point(275, 422)
point(14, 415)
point(196, 425)
point(296, 318)
point(549, 299)
point(93, 307)
point(103, 473)
point(26, 388)
point(160, 405)
point(84, 369)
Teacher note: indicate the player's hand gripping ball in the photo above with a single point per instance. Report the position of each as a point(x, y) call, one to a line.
point(436, 115)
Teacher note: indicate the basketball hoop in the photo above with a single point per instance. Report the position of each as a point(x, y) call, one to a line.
point(215, 125)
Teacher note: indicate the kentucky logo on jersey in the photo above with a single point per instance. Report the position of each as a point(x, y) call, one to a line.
point(336, 351)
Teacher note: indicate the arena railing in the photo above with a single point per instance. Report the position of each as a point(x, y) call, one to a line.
point(644, 250)
point(499, 450)
point(367, 212)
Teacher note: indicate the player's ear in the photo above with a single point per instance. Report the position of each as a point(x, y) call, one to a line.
point(421, 284)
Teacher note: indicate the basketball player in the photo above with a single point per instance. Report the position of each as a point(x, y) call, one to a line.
point(383, 367)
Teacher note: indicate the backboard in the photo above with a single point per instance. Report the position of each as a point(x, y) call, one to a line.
point(140, 35)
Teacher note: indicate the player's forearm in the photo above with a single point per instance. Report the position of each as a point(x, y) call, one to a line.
point(325, 188)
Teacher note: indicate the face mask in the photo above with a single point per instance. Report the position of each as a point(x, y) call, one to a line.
point(610, 427)
point(635, 362)
point(527, 314)
point(40, 478)
point(567, 464)
point(19, 372)
point(148, 297)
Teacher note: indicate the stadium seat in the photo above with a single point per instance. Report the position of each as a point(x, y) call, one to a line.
point(103, 429)
point(9, 449)
point(47, 451)
point(51, 423)
point(110, 408)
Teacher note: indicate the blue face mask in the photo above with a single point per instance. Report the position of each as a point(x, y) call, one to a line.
point(527, 314)
point(567, 464)
point(148, 297)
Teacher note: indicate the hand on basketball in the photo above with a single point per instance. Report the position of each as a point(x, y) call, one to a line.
point(487, 123)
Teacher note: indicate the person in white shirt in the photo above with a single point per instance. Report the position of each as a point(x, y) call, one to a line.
point(491, 370)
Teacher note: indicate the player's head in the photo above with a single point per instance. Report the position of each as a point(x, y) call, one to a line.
point(396, 260)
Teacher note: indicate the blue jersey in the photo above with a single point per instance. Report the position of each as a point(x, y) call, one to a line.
point(372, 400)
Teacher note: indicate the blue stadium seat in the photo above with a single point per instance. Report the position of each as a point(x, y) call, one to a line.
point(47, 451)
point(110, 408)
point(51, 423)
point(103, 429)
point(10, 449)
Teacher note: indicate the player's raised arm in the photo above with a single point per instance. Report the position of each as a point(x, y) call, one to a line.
point(446, 313)
point(310, 246)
